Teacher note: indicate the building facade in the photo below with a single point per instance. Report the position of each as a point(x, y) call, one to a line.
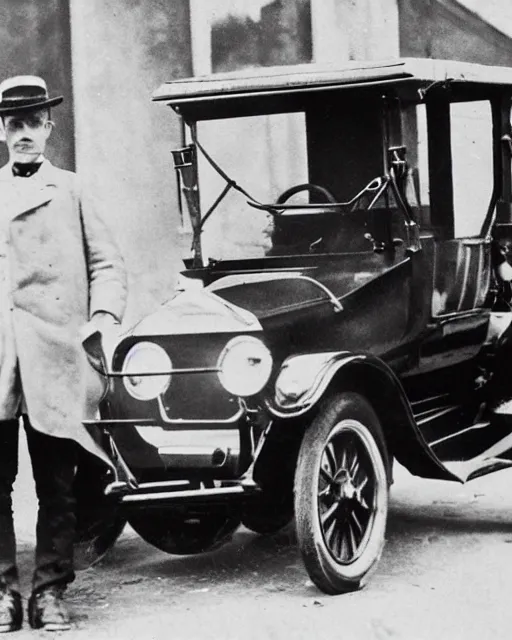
point(107, 58)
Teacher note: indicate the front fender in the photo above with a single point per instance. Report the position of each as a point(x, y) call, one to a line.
point(305, 379)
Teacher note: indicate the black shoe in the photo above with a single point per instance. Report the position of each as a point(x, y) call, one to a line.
point(47, 611)
point(11, 611)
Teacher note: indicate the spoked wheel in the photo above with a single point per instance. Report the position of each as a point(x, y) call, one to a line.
point(184, 533)
point(341, 494)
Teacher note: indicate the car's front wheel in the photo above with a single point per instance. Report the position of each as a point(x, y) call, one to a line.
point(341, 494)
point(99, 521)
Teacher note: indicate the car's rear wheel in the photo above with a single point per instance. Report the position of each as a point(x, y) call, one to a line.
point(341, 494)
point(184, 533)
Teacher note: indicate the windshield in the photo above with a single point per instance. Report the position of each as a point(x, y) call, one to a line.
point(256, 200)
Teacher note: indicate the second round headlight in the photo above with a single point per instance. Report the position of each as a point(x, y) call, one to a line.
point(245, 365)
point(146, 357)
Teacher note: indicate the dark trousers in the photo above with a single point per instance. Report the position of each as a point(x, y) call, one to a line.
point(53, 467)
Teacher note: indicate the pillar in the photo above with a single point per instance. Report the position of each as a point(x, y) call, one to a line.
point(122, 50)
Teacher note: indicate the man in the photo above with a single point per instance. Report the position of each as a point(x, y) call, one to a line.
point(60, 273)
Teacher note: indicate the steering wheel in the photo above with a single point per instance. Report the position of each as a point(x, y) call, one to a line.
point(307, 186)
point(281, 233)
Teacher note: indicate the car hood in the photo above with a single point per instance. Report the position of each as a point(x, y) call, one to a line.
point(241, 302)
point(268, 295)
point(197, 311)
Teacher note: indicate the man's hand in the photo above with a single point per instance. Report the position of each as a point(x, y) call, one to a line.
point(110, 330)
point(104, 321)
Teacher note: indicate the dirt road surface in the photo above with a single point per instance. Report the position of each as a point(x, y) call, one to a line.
point(446, 573)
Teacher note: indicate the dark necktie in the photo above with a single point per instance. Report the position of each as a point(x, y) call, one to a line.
point(25, 169)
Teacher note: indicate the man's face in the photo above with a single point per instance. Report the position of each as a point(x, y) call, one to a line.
point(26, 134)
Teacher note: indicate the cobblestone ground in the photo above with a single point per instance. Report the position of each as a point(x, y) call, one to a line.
point(446, 573)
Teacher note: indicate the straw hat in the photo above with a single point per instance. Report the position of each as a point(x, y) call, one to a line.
point(22, 93)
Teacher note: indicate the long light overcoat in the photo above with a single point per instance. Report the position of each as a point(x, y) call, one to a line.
point(58, 265)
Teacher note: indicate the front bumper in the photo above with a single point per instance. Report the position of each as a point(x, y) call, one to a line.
point(172, 493)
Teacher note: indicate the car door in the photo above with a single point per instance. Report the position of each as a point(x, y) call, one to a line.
point(459, 316)
point(461, 253)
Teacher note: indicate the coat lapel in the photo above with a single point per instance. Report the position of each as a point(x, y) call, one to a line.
point(47, 174)
point(22, 195)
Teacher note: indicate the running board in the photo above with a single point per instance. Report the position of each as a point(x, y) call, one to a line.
point(477, 467)
point(433, 414)
point(452, 436)
point(483, 464)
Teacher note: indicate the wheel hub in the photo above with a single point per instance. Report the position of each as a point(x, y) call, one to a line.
point(346, 496)
point(341, 497)
point(343, 487)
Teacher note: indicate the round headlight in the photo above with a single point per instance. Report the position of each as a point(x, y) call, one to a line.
point(245, 365)
point(146, 358)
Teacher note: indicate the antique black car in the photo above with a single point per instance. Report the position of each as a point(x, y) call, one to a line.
point(341, 307)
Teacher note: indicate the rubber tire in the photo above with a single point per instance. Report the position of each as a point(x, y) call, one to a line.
point(349, 411)
point(99, 521)
point(92, 545)
point(184, 534)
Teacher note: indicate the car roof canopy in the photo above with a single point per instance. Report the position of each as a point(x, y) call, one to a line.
point(267, 89)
